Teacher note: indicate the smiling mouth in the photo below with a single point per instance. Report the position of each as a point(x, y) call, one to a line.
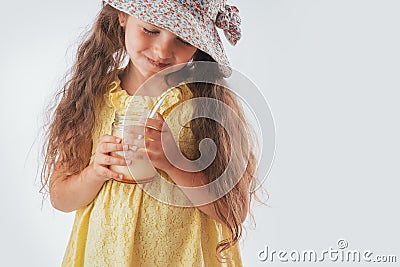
point(157, 63)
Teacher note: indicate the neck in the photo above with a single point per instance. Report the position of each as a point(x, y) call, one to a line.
point(131, 79)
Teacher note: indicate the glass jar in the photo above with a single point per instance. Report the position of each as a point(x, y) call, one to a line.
point(128, 128)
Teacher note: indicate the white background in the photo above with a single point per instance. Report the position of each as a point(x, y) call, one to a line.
point(330, 72)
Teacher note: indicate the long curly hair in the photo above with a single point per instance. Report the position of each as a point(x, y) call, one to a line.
point(68, 136)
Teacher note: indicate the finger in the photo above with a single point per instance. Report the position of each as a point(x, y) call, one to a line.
point(155, 123)
point(153, 147)
point(104, 148)
point(153, 134)
point(107, 173)
point(110, 139)
point(134, 142)
point(107, 160)
point(130, 154)
point(159, 116)
point(140, 153)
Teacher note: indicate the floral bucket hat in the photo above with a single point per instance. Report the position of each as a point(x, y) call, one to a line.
point(195, 21)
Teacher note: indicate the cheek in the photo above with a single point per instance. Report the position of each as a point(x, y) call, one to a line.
point(183, 58)
point(186, 54)
point(135, 43)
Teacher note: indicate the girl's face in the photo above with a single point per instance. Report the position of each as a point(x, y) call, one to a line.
point(151, 48)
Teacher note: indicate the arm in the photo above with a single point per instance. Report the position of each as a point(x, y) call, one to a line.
point(69, 193)
point(73, 192)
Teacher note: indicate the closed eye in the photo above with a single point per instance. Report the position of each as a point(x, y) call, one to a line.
point(150, 32)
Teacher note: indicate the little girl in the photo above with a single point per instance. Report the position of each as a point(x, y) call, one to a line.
point(116, 223)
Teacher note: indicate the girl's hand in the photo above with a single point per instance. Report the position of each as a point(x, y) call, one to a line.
point(102, 159)
point(155, 131)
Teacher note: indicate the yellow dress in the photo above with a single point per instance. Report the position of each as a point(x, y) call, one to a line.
point(125, 226)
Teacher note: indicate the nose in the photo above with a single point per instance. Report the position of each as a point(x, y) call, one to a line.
point(164, 46)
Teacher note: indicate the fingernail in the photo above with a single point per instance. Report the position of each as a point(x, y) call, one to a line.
point(134, 148)
point(139, 137)
point(117, 140)
point(120, 176)
point(128, 162)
